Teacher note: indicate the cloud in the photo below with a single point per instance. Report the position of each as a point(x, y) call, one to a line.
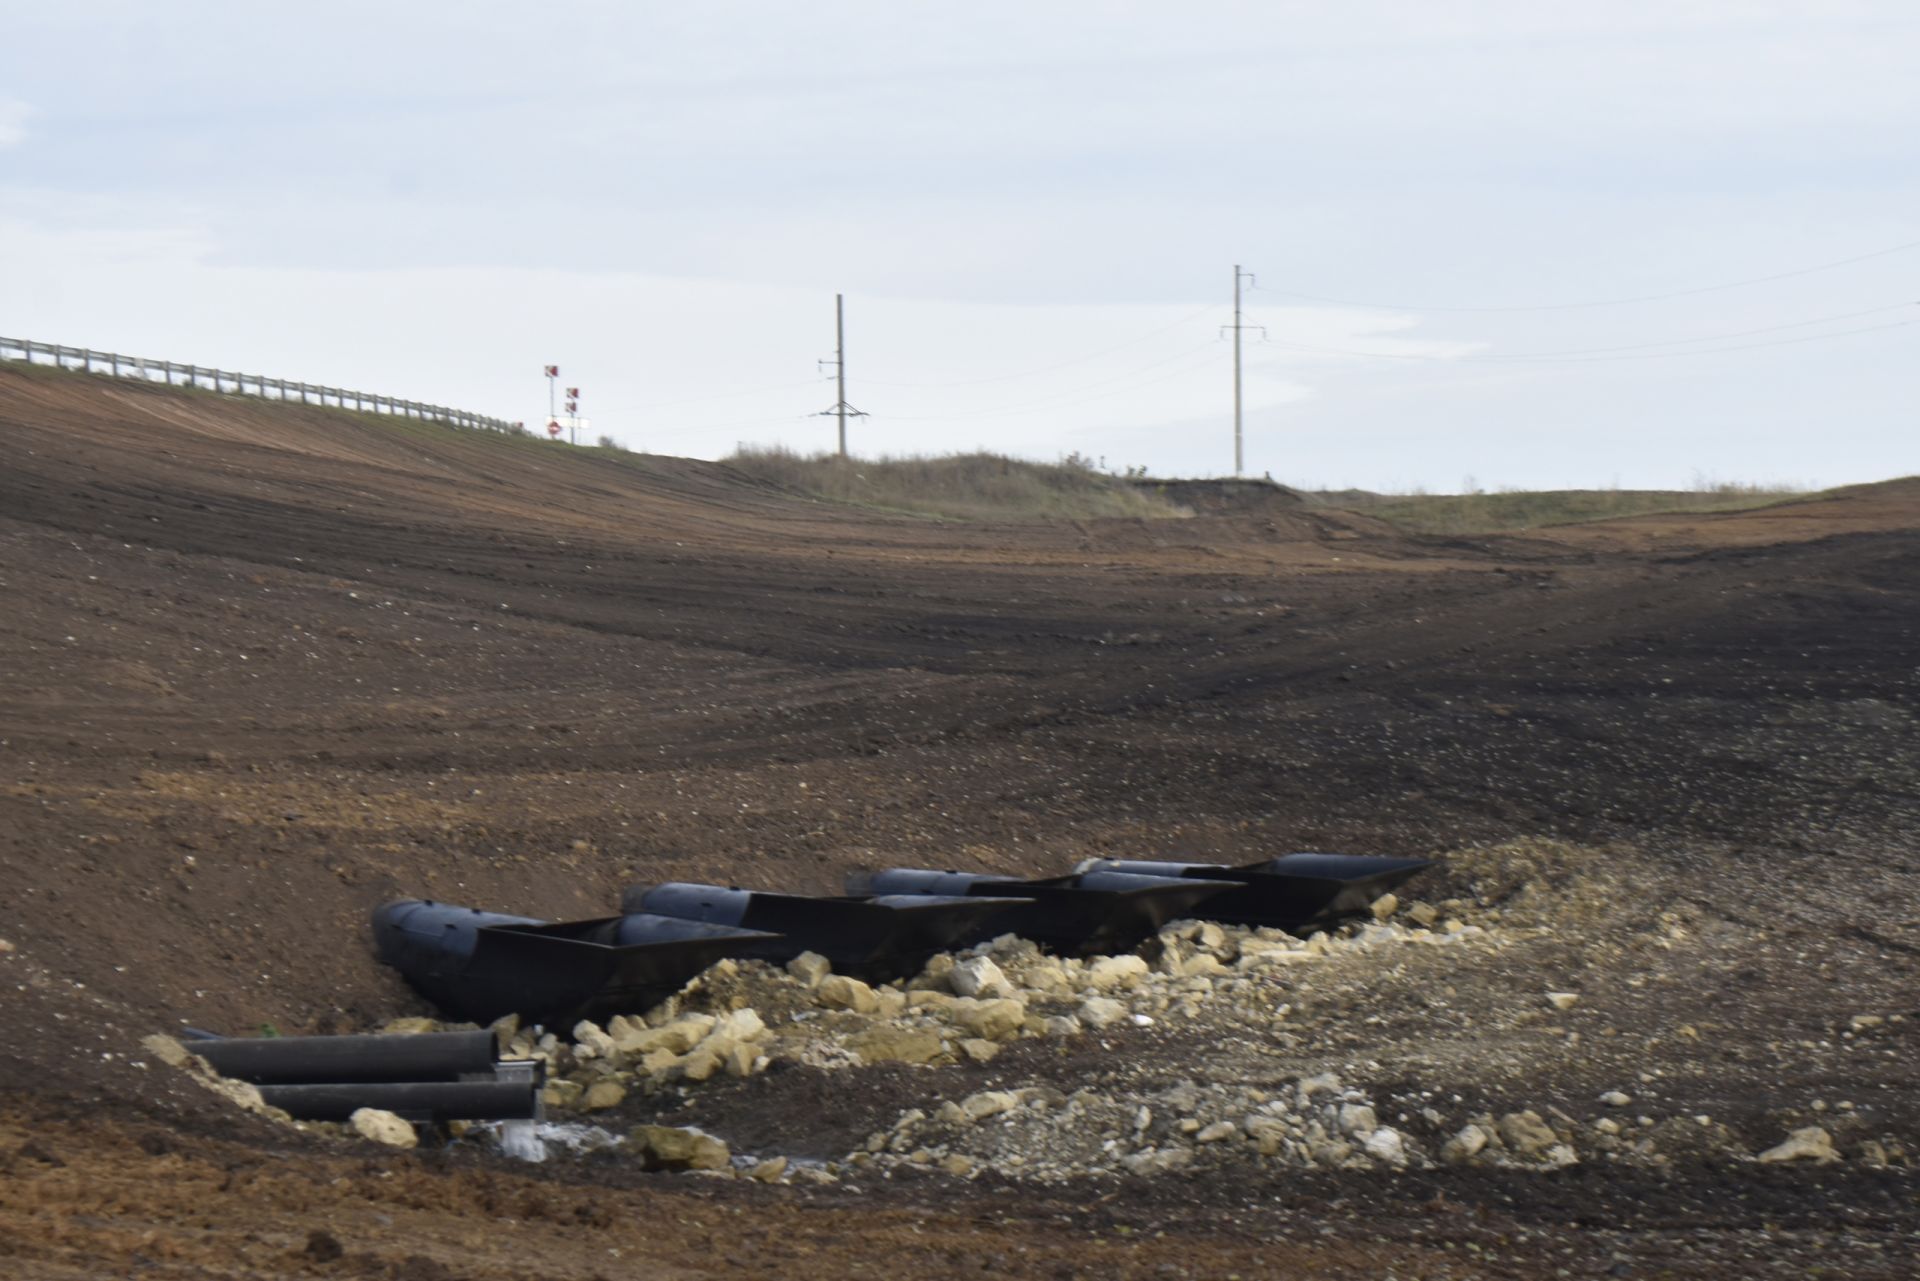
point(13, 122)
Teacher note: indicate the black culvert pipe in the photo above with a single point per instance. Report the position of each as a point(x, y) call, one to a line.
point(507, 1099)
point(330, 1060)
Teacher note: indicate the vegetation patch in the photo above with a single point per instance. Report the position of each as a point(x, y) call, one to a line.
point(1509, 510)
point(976, 486)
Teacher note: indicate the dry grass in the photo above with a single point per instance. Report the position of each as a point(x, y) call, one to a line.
point(1486, 513)
point(956, 486)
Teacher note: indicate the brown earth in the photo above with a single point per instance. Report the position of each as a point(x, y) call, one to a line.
point(262, 667)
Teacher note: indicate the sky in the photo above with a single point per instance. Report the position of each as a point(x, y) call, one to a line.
point(1492, 244)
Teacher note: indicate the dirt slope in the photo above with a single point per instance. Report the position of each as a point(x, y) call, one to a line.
point(262, 667)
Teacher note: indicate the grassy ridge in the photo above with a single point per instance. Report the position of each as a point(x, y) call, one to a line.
point(976, 486)
point(1532, 509)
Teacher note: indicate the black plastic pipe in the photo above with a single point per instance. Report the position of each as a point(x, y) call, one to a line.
point(325, 1060)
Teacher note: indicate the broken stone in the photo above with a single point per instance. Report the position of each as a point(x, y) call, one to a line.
point(740, 1059)
point(740, 1025)
point(1616, 1099)
point(978, 976)
point(1111, 973)
point(810, 968)
point(1268, 1133)
point(1526, 1133)
point(1424, 914)
point(602, 1095)
point(1358, 1120)
point(1100, 1012)
point(1045, 976)
point(561, 1093)
point(769, 1170)
point(590, 1041)
point(956, 1165)
point(994, 1020)
point(1061, 1025)
point(666, 1147)
point(936, 977)
point(986, 1103)
point(677, 1037)
point(891, 1044)
point(166, 1049)
point(1385, 906)
point(415, 1026)
point(979, 1049)
point(1216, 1132)
point(1157, 1160)
point(1808, 1143)
point(838, 992)
point(1563, 1000)
point(1468, 1143)
point(384, 1127)
point(1387, 1147)
point(926, 999)
point(705, 1062)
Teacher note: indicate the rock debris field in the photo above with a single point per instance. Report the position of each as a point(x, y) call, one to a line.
point(1651, 1014)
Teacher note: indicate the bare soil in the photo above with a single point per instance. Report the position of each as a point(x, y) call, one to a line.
point(263, 667)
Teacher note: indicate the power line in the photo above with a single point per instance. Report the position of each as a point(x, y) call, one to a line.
point(723, 395)
point(1051, 403)
point(1614, 302)
point(1646, 355)
point(1076, 360)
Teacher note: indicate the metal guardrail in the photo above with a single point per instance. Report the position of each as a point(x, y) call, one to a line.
point(228, 383)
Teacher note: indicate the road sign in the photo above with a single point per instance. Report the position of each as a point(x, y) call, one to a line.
point(553, 429)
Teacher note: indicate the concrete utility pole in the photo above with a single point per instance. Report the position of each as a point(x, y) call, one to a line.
point(841, 409)
point(1239, 453)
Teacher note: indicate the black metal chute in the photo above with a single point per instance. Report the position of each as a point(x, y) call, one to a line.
point(482, 965)
point(1082, 914)
point(1292, 891)
point(867, 936)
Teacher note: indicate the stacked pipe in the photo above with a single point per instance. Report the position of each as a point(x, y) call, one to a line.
point(481, 965)
point(432, 1077)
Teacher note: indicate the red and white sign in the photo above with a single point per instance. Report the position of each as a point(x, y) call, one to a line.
point(553, 429)
point(553, 371)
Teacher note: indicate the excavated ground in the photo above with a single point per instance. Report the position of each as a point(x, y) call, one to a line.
point(262, 667)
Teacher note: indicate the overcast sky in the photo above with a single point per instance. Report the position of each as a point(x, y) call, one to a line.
point(1034, 210)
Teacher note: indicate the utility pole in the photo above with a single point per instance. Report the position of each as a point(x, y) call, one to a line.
point(1239, 453)
point(841, 409)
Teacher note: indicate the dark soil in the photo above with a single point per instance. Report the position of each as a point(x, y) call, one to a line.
point(263, 667)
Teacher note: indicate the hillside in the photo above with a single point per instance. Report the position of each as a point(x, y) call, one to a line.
point(263, 667)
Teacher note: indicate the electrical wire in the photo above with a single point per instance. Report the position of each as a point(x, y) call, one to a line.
point(1034, 373)
point(1608, 302)
point(723, 395)
point(1576, 359)
point(1050, 404)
